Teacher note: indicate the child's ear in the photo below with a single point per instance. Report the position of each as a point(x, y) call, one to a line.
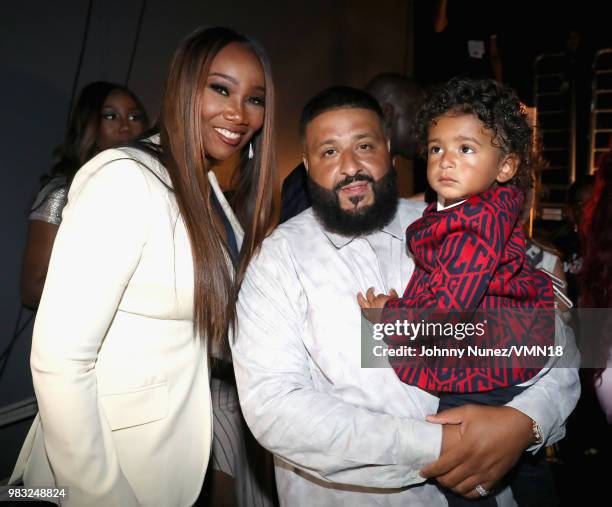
point(509, 166)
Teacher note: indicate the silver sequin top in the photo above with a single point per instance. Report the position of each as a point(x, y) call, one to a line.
point(50, 201)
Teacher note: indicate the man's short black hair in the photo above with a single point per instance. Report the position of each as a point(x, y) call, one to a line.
point(337, 97)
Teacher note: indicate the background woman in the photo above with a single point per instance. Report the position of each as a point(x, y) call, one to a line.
point(141, 282)
point(595, 275)
point(106, 115)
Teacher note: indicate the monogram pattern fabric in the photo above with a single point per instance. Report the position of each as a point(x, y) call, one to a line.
point(468, 258)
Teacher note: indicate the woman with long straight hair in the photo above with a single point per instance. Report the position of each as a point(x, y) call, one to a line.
point(143, 281)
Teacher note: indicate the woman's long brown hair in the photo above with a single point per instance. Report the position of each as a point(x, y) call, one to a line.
point(183, 153)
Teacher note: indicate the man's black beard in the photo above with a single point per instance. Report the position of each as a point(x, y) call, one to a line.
point(361, 221)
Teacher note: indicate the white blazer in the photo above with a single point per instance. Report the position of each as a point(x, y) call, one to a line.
point(120, 377)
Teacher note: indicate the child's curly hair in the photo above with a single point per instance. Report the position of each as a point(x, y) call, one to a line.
point(498, 108)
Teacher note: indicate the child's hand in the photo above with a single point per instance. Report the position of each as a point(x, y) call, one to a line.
point(372, 300)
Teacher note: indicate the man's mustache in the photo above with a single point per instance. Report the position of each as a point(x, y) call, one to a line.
point(351, 179)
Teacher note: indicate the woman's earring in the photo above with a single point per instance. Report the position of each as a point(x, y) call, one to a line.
point(251, 154)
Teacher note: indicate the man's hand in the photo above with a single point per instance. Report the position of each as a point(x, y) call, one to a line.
point(451, 434)
point(491, 441)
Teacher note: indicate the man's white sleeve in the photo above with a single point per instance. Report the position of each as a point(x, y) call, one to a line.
point(312, 429)
point(551, 399)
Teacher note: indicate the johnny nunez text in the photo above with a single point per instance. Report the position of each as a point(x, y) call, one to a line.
point(472, 350)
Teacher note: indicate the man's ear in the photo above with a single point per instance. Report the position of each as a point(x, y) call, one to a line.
point(305, 162)
point(388, 110)
point(388, 115)
point(509, 166)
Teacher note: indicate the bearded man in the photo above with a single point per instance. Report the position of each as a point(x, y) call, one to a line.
point(342, 434)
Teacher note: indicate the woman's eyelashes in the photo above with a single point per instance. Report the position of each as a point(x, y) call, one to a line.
point(220, 89)
point(256, 100)
point(109, 115)
point(113, 115)
point(135, 116)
